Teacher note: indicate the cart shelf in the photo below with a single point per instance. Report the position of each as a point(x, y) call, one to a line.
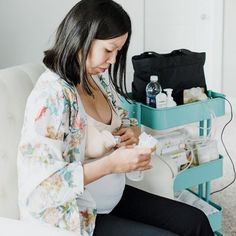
point(164, 118)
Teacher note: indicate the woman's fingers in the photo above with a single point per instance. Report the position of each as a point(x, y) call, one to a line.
point(147, 167)
point(126, 159)
point(127, 143)
point(119, 132)
point(127, 135)
point(143, 164)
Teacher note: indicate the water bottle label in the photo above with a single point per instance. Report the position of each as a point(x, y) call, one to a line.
point(151, 101)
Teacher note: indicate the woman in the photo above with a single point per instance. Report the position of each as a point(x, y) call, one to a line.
point(60, 182)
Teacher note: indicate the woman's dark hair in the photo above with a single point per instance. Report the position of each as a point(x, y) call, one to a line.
point(86, 21)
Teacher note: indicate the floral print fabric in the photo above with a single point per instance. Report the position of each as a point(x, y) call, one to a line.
point(50, 158)
point(51, 155)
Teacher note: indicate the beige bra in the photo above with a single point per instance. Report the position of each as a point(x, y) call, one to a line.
point(99, 139)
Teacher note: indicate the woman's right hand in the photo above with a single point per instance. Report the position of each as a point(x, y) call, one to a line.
point(127, 159)
point(122, 160)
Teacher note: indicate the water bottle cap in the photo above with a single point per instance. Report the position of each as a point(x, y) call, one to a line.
point(154, 78)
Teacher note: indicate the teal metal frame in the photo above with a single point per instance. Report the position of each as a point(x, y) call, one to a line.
point(201, 112)
point(207, 185)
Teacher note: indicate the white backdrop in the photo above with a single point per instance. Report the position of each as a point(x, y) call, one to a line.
point(27, 28)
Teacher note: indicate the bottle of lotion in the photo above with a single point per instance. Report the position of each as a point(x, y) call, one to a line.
point(169, 101)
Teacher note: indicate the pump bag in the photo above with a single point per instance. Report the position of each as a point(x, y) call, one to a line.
point(181, 69)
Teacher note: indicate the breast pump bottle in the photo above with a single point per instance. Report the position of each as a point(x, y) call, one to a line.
point(152, 89)
point(148, 141)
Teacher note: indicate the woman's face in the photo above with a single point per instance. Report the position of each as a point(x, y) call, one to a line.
point(103, 53)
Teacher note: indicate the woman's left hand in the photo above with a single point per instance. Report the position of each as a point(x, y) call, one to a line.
point(129, 136)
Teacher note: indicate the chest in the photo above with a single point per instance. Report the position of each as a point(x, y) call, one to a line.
point(97, 106)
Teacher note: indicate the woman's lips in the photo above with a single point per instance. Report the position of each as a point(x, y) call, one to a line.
point(102, 69)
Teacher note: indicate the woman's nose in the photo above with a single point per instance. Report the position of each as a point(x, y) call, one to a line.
point(112, 58)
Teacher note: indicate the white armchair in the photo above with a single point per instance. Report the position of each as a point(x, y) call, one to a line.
point(15, 85)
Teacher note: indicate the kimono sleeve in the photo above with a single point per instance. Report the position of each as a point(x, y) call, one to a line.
point(48, 177)
point(126, 121)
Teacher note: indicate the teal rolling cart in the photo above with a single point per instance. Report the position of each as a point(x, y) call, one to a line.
point(164, 118)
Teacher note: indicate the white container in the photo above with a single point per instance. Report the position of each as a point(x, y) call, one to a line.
point(135, 175)
point(161, 100)
point(145, 140)
point(207, 151)
point(169, 101)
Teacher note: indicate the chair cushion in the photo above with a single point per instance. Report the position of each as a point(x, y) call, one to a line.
point(15, 85)
point(11, 227)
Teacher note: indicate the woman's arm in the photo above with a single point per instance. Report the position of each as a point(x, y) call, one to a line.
point(122, 160)
point(49, 175)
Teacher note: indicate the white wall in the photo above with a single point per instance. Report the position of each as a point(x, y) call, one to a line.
point(194, 25)
point(135, 8)
point(229, 49)
point(27, 27)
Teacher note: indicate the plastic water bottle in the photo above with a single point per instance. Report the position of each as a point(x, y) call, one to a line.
point(152, 89)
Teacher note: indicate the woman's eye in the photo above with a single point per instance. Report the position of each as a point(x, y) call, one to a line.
point(109, 51)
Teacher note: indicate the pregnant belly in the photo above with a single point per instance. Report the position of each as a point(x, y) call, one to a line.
point(107, 191)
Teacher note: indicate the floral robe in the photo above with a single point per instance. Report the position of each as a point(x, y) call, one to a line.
point(51, 154)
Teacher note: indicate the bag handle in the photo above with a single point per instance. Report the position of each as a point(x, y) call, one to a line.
point(149, 53)
point(177, 52)
point(144, 55)
point(180, 52)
